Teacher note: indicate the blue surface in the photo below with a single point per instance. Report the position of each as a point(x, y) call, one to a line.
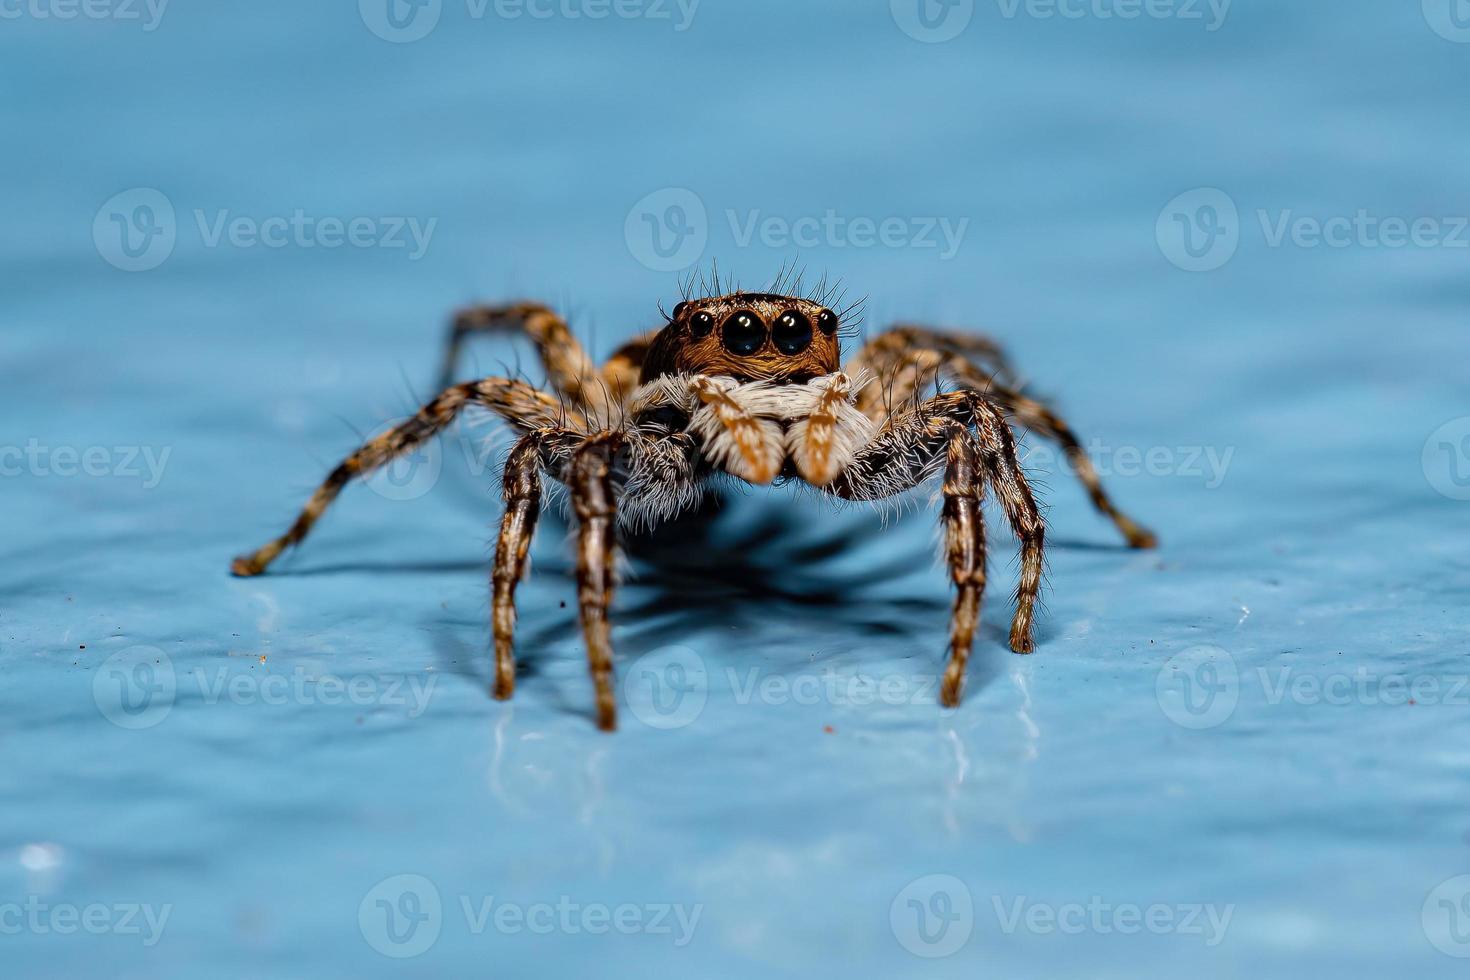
point(1296, 795)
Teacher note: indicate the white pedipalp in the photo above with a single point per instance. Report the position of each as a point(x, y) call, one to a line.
point(736, 435)
point(749, 430)
point(824, 439)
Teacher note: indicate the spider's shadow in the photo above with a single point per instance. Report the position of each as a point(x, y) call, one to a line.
point(728, 566)
point(706, 571)
point(734, 564)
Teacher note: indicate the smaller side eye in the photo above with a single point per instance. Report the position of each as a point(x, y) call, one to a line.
point(679, 310)
point(827, 321)
point(701, 324)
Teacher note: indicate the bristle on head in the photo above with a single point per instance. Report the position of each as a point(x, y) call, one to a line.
point(790, 280)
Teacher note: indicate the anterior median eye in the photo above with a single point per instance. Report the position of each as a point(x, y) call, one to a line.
point(743, 333)
point(792, 333)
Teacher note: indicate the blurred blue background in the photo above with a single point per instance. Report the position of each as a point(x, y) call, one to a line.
point(1228, 238)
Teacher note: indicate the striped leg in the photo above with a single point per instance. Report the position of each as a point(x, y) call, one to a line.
point(1039, 418)
point(964, 535)
point(901, 360)
point(998, 456)
point(910, 448)
point(515, 401)
point(622, 371)
point(896, 386)
point(568, 368)
point(902, 373)
point(522, 491)
point(595, 503)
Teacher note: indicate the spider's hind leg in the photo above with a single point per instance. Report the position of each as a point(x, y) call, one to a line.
point(621, 371)
point(1041, 419)
point(569, 369)
point(998, 456)
point(903, 361)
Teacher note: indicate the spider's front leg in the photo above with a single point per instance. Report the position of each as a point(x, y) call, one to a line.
point(522, 492)
point(969, 437)
point(964, 549)
point(652, 458)
point(594, 500)
point(515, 401)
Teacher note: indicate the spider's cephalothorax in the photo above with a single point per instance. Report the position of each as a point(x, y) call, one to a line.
point(750, 386)
point(749, 337)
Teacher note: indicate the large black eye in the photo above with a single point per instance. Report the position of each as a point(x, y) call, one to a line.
point(743, 333)
point(792, 333)
point(827, 320)
point(701, 323)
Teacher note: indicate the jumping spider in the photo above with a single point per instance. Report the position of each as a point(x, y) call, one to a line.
point(750, 385)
